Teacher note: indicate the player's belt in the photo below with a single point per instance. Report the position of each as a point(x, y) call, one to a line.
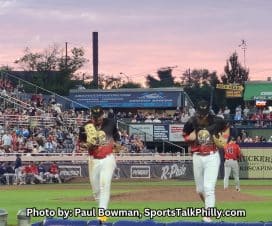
point(102, 152)
point(206, 153)
point(231, 159)
point(204, 149)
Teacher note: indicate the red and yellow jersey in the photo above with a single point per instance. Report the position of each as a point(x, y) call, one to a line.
point(232, 151)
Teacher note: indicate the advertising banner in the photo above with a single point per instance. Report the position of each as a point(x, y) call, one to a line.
point(160, 132)
point(157, 132)
point(175, 133)
point(144, 99)
point(257, 163)
point(144, 131)
point(70, 170)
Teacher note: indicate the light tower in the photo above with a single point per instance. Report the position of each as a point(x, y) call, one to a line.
point(243, 46)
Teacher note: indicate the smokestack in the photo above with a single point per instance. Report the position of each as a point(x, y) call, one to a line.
point(95, 59)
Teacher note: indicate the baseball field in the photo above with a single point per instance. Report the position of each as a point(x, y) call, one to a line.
point(75, 199)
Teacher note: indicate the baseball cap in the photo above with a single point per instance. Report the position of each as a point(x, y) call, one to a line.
point(97, 111)
point(203, 108)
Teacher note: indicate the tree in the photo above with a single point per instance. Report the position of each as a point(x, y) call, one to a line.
point(234, 72)
point(112, 82)
point(166, 79)
point(200, 84)
point(199, 78)
point(51, 69)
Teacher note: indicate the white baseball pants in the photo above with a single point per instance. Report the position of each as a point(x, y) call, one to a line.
point(100, 174)
point(205, 174)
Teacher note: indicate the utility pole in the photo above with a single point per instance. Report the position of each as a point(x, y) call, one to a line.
point(66, 54)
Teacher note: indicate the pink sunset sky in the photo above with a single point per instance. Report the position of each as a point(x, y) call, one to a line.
point(139, 37)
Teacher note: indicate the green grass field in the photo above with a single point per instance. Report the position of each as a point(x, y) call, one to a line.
point(65, 196)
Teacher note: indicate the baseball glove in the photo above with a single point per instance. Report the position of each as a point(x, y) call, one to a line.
point(91, 134)
point(219, 140)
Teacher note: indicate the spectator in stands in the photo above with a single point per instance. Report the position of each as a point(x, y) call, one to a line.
point(137, 145)
point(226, 113)
point(148, 119)
point(238, 113)
point(50, 145)
point(7, 142)
point(156, 120)
point(134, 120)
point(246, 112)
point(191, 111)
point(54, 172)
point(111, 114)
point(220, 113)
point(184, 117)
point(248, 139)
point(269, 139)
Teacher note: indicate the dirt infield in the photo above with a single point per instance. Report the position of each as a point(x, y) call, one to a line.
point(182, 194)
point(151, 193)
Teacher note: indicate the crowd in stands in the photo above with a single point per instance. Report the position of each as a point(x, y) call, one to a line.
point(29, 173)
point(42, 126)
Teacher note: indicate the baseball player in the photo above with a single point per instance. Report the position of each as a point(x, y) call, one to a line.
point(232, 153)
point(99, 136)
point(205, 134)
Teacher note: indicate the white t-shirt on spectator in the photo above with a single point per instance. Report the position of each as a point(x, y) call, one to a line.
point(6, 139)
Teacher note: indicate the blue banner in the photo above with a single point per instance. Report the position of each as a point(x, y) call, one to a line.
point(144, 99)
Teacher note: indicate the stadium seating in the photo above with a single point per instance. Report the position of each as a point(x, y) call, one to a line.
point(96, 223)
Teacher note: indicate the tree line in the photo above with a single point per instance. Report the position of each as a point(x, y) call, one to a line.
point(59, 72)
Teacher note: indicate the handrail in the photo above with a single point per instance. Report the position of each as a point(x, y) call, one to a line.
point(20, 103)
point(48, 91)
point(75, 157)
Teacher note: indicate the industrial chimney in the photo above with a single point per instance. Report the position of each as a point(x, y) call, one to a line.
point(95, 59)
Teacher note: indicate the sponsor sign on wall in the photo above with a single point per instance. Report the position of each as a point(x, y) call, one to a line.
point(160, 132)
point(175, 132)
point(70, 171)
point(144, 131)
point(172, 171)
point(145, 99)
point(256, 163)
point(140, 171)
point(157, 132)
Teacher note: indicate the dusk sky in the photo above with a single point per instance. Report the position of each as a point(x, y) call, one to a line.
point(139, 37)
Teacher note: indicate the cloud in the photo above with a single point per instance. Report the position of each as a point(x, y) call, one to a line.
point(6, 5)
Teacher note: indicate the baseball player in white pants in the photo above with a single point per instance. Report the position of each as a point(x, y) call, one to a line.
point(99, 136)
point(206, 169)
point(205, 133)
point(100, 173)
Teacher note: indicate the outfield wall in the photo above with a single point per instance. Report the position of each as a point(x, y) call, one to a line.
point(256, 164)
